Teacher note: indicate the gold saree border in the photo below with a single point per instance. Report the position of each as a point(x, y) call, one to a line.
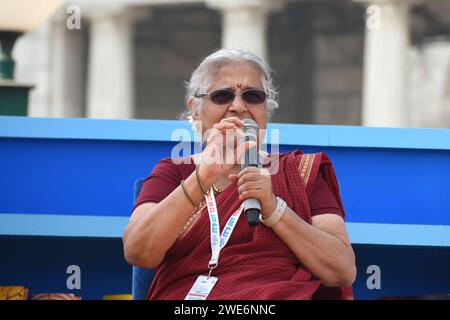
point(192, 220)
point(305, 167)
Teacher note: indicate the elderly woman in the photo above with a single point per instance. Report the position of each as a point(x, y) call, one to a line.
point(300, 246)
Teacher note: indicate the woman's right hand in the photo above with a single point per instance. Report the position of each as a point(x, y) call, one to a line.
point(223, 148)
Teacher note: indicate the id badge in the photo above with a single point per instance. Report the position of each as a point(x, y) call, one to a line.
point(201, 288)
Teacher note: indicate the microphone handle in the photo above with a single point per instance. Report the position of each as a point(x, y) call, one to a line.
point(252, 208)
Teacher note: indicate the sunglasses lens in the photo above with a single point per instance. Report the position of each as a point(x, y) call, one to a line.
point(221, 96)
point(254, 96)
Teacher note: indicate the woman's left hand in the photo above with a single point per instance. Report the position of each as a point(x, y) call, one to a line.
point(256, 183)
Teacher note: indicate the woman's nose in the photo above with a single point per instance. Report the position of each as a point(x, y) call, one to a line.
point(238, 105)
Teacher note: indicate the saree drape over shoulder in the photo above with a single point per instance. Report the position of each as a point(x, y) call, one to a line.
point(255, 264)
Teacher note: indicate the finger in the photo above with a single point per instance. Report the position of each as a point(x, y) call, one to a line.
point(231, 142)
point(234, 120)
point(255, 170)
point(233, 177)
point(249, 177)
point(240, 133)
point(225, 125)
point(248, 170)
point(251, 194)
point(218, 131)
point(231, 134)
point(234, 138)
point(242, 148)
point(214, 135)
point(250, 173)
point(250, 185)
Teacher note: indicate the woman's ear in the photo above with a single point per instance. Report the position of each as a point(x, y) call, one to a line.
point(194, 117)
point(193, 109)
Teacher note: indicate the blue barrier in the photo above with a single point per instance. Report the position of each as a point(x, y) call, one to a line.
point(68, 179)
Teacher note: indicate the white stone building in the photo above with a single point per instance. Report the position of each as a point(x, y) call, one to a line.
point(369, 62)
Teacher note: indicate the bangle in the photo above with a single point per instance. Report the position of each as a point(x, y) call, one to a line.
point(198, 180)
point(216, 190)
point(187, 195)
point(276, 214)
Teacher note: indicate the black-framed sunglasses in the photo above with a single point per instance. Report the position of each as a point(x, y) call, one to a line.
point(225, 96)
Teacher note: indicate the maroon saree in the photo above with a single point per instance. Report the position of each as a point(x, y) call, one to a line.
point(255, 264)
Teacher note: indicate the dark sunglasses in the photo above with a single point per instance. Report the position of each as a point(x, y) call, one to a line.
point(225, 96)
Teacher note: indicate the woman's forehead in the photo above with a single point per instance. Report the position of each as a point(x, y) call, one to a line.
point(235, 75)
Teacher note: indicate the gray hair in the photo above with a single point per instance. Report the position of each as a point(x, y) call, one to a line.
point(202, 77)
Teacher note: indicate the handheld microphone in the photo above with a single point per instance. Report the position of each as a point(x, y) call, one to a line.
point(252, 207)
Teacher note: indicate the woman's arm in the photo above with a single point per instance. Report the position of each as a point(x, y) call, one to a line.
point(323, 246)
point(154, 227)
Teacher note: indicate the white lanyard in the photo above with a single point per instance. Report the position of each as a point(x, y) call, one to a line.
point(218, 241)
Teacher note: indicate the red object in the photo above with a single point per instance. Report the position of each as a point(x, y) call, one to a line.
point(255, 264)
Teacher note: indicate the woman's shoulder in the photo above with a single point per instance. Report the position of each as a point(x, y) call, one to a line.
point(301, 159)
point(178, 168)
point(281, 155)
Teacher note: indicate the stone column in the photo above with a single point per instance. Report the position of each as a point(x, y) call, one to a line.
point(68, 84)
point(110, 70)
point(33, 65)
point(428, 87)
point(244, 23)
point(387, 41)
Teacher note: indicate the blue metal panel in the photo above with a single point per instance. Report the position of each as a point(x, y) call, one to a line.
point(112, 227)
point(405, 271)
point(85, 177)
point(90, 129)
point(40, 264)
point(162, 130)
point(406, 186)
point(62, 225)
point(96, 177)
point(398, 234)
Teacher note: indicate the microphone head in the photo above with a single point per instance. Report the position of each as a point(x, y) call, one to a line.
point(251, 132)
point(250, 123)
point(250, 129)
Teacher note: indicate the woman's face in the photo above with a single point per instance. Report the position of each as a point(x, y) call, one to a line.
point(236, 77)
